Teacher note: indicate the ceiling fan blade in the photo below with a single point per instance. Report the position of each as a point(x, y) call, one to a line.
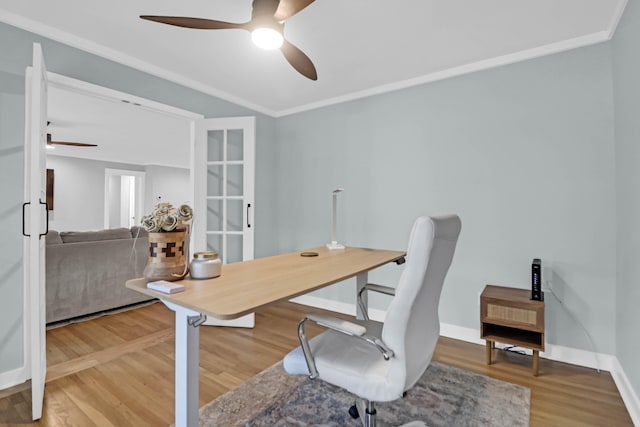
point(288, 8)
point(197, 23)
point(72, 144)
point(299, 60)
point(264, 8)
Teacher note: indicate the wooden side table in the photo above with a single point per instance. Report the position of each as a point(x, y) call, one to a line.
point(507, 315)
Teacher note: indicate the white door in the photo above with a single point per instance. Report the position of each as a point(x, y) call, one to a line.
point(224, 180)
point(35, 227)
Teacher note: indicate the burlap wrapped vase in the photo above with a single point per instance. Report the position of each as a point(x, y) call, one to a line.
point(167, 256)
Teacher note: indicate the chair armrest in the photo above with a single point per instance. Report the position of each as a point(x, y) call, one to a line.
point(387, 290)
point(339, 325)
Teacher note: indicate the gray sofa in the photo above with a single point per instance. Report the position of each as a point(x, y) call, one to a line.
point(86, 271)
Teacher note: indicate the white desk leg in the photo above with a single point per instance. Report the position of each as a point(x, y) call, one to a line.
point(361, 280)
point(187, 346)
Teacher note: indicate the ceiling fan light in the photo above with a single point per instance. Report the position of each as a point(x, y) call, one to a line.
point(267, 38)
point(50, 147)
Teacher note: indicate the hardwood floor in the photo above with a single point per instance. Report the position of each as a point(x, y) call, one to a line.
point(117, 370)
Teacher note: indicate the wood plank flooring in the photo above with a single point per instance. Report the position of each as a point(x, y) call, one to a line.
point(117, 370)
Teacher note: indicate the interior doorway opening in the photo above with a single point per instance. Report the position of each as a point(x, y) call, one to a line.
point(124, 192)
point(37, 116)
point(135, 137)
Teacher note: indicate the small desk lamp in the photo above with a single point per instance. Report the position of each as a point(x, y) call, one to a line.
point(334, 245)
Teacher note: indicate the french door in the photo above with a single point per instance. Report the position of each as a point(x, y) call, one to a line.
point(224, 179)
point(35, 226)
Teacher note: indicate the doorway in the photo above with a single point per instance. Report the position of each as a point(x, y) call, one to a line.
point(124, 192)
point(134, 137)
point(34, 290)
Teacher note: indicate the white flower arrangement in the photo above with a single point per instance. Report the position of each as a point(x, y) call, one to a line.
point(166, 218)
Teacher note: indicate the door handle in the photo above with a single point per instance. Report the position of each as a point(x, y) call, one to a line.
point(248, 206)
point(47, 220)
point(24, 231)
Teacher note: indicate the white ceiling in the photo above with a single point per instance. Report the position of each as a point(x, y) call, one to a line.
point(359, 47)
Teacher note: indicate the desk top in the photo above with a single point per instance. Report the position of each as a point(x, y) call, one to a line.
point(245, 286)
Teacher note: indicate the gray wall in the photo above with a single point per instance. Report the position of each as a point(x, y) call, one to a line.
point(15, 56)
point(523, 153)
point(79, 192)
point(626, 66)
point(11, 177)
point(168, 185)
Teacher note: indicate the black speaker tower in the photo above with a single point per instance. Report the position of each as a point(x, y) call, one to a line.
point(536, 280)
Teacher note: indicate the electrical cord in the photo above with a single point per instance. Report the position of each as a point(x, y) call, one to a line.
point(511, 348)
point(575, 319)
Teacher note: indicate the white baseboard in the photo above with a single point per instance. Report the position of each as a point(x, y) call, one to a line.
point(573, 356)
point(555, 352)
point(629, 395)
point(336, 306)
point(576, 356)
point(461, 333)
point(325, 304)
point(559, 353)
point(13, 377)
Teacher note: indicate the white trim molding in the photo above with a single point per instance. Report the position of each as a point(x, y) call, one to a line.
point(79, 86)
point(14, 377)
point(562, 46)
point(615, 20)
point(573, 356)
point(122, 58)
point(629, 395)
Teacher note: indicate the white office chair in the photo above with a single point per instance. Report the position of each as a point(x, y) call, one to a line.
point(380, 362)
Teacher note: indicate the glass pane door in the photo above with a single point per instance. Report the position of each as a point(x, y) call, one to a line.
point(225, 194)
point(224, 169)
point(225, 188)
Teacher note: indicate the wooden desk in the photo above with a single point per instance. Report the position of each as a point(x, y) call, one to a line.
point(244, 287)
point(507, 315)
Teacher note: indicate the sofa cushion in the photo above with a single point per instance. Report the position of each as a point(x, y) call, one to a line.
point(94, 236)
point(53, 238)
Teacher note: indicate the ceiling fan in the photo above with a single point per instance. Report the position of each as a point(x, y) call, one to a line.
point(51, 142)
point(266, 26)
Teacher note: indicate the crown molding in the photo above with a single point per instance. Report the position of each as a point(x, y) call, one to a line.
point(615, 19)
point(113, 55)
point(124, 59)
point(498, 61)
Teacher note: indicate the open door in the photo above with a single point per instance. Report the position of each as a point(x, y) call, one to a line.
point(224, 180)
point(35, 225)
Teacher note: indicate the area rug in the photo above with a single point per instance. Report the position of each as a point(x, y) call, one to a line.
point(444, 396)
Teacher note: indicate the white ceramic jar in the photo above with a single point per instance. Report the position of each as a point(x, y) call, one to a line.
point(205, 265)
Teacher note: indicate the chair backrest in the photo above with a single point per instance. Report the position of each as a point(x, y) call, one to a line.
point(412, 325)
